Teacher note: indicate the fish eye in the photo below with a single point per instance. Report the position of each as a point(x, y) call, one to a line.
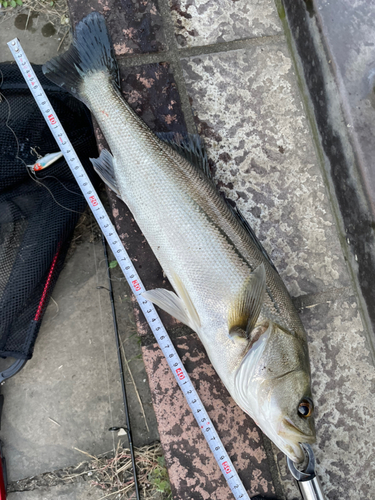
point(305, 408)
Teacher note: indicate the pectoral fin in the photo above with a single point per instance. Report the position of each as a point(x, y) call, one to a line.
point(246, 309)
point(180, 308)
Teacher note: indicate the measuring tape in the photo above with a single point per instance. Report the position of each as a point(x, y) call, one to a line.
point(130, 273)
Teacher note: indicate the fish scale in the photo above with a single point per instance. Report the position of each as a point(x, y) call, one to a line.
point(138, 175)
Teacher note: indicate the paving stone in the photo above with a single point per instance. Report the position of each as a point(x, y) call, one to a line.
point(206, 22)
point(68, 394)
point(248, 109)
point(134, 26)
point(192, 468)
point(151, 91)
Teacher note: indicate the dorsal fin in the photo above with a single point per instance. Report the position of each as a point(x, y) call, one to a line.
point(252, 235)
point(190, 146)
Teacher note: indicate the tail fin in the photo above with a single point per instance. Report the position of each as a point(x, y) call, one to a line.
point(90, 52)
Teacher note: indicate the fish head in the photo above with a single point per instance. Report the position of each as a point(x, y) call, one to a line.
point(286, 411)
point(273, 385)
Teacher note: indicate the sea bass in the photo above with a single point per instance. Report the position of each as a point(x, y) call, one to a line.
point(227, 289)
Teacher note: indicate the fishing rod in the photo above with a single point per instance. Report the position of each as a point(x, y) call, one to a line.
point(307, 480)
point(127, 428)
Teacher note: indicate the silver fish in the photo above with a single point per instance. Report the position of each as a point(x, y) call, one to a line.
point(227, 289)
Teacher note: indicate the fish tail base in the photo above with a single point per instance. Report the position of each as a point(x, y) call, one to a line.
point(89, 53)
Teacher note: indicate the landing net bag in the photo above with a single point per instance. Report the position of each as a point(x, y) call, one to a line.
point(37, 212)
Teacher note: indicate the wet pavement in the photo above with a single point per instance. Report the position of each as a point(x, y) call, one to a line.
point(226, 70)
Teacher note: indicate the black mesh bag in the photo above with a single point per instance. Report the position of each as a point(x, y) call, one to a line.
point(36, 218)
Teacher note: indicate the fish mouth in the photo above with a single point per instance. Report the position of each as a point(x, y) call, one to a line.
point(293, 438)
point(288, 430)
point(295, 452)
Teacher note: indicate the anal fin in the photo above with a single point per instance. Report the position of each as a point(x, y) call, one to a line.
point(104, 167)
point(171, 303)
point(188, 303)
point(179, 306)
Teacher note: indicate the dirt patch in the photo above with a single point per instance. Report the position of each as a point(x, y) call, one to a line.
point(111, 473)
point(87, 229)
point(56, 13)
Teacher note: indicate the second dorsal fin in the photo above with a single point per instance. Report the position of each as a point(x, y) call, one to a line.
point(252, 235)
point(190, 146)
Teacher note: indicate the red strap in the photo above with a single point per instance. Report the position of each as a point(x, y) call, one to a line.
point(46, 288)
point(3, 493)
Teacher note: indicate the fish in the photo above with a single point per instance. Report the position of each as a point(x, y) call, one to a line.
point(226, 287)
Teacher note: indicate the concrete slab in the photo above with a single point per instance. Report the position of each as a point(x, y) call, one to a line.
point(68, 394)
point(142, 416)
point(344, 384)
point(208, 22)
point(336, 78)
point(40, 39)
point(76, 491)
point(258, 139)
point(349, 33)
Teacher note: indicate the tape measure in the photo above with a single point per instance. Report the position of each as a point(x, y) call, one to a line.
point(131, 275)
